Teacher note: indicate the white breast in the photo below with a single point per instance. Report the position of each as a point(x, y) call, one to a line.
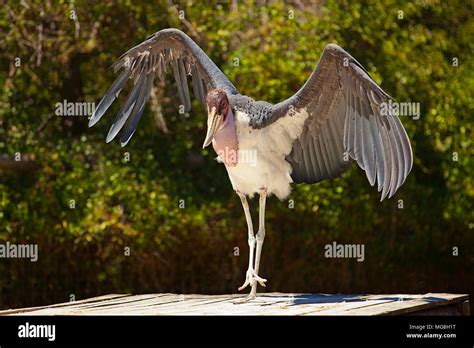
point(262, 155)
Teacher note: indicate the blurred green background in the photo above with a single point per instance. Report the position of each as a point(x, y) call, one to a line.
point(418, 51)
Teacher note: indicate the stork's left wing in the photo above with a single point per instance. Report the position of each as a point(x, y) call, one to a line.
point(149, 59)
point(349, 118)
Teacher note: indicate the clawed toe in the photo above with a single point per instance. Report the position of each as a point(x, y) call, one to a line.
point(250, 278)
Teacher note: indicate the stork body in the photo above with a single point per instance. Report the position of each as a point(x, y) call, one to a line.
point(335, 119)
point(262, 160)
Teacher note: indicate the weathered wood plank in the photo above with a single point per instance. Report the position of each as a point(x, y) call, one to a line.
point(63, 304)
point(264, 304)
point(410, 304)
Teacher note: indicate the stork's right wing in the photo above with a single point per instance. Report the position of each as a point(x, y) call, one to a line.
point(141, 63)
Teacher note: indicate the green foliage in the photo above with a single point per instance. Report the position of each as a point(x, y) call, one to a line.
point(66, 51)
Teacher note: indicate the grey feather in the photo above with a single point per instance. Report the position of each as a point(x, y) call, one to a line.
point(314, 148)
point(330, 147)
point(126, 109)
point(137, 113)
point(178, 80)
point(368, 150)
point(184, 84)
point(379, 152)
point(358, 145)
point(387, 159)
point(197, 85)
point(336, 137)
point(308, 165)
point(109, 97)
point(407, 151)
point(394, 164)
point(351, 124)
point(324, 160)
point(398, 158)
point(312, 168)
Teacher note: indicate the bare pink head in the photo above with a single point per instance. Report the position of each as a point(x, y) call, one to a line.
point(217, 105)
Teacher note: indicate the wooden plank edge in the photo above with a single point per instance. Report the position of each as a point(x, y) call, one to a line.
point(63, 304)
point(428, 305)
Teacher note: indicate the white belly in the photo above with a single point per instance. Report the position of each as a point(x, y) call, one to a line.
point(262, 154)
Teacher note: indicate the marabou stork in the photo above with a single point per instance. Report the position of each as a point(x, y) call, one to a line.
point(336, 118)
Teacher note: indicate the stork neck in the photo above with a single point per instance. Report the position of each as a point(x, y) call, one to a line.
point(225, 141)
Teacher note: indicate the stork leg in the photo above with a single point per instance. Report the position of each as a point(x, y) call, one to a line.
point(260, 238)
point(251, 277)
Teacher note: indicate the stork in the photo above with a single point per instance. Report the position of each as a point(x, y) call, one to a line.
point(339, 116)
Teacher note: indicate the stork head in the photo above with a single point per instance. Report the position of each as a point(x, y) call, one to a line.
point(217, 105)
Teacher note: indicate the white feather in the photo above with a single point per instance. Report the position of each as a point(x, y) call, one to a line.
point(270, 144)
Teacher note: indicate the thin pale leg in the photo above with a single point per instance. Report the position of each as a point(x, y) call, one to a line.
point(251, 236)
point(251, 276)
point(260, 238)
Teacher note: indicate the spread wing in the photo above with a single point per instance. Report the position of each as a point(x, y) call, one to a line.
point(144, 62)
point(349, 118)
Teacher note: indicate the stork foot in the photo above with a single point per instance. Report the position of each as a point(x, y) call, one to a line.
point(251, 278)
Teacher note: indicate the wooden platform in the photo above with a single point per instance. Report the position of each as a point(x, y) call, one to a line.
point(264, 304)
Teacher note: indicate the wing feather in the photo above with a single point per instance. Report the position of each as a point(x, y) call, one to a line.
point(109, 97)
point(153, 56)
point(137, 113)
point(126, 109)
point(344, 107)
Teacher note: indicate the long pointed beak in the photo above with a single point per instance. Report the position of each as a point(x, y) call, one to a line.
point(213, 123)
